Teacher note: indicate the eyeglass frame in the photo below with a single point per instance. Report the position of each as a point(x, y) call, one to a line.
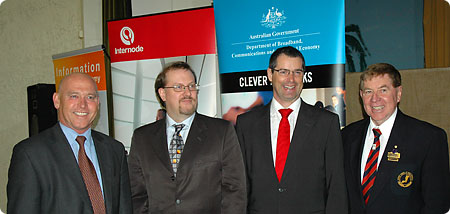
point(181, 87)
point(286, 72)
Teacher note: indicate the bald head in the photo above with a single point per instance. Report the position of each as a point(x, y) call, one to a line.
point(77, 101)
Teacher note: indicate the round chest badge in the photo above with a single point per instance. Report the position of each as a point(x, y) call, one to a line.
point(405, 179)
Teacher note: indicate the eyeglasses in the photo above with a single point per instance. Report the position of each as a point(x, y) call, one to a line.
point(287, 72)
point(180, 88)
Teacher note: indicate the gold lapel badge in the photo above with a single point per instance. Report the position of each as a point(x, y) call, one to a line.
point(405, 179)
point(394, 155)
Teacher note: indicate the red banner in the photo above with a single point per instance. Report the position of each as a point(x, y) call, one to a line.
point(165, 35)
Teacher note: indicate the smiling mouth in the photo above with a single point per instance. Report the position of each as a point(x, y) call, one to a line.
point(377, 107)
point(289, 87)
point(81, 113)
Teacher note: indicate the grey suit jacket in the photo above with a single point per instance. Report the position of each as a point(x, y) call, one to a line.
point(423, 153)
point(210, 178)
point(44, 176)
point(313, 177)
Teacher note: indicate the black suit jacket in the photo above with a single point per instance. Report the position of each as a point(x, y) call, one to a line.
point(210, 178)
point(44, 176)
point(313, 177)
point(423, 153)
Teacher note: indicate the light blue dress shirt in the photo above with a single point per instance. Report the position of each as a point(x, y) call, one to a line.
point(89, 148)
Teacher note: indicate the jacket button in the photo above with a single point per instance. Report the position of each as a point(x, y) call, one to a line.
point(172, 177)
point(178, 201)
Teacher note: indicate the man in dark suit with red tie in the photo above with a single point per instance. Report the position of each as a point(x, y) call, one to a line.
point(70, 168)
point(292, 151)
point(394, 163)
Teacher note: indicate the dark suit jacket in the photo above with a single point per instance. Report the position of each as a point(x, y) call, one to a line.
point(313, 177)
point(210, 178)
point(44, 176)
point(423, 152)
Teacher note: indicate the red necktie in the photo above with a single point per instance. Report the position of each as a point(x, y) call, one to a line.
point(370, 170)
point(283, 142)
point(90, 179)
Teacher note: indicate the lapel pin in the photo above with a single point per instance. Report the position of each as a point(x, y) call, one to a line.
point(394, 155)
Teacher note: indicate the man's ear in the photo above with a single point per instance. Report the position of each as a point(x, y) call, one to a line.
point(162, 94)
point(56, 101)
point(269, 74)
point(399, 93)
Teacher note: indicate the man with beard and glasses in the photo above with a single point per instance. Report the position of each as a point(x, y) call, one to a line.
point(292, 151)
point(186, 162)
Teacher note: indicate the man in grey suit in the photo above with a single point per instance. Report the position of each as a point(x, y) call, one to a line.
point(50, 174)
point(187, 162)
point(292, 151)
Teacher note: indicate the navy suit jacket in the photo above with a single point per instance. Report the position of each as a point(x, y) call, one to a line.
point(44, 176)
point(424, 158)
point(313, 177)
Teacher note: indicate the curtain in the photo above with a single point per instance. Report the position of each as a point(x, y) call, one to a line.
point(112, 10)
point(436, 27)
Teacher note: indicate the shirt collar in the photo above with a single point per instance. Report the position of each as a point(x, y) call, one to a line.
point(386, 126)
point(187, 122)
point(71, 135)
point(295, 106)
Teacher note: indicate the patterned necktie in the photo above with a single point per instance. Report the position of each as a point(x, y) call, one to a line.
point(176, 147)
point(90, 179)
point(370, 170)
point(283, 142)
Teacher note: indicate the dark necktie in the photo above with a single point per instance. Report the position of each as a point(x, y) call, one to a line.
point(176, 147)
point(283, 142)
point(370, 170)
point(90, 179)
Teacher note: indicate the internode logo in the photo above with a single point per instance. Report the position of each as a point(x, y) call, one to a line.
point(127, 35)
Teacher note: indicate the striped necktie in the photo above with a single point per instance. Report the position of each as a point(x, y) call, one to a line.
point(370, 170)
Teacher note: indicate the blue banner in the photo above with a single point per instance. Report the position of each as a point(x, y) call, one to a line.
point(249, 31)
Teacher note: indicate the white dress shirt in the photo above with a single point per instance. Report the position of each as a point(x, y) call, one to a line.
point(275, 118)
point(385, 128)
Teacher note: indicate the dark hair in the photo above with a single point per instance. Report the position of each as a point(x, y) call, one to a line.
point(160, 81)
point(288, 51)
point(381, 69)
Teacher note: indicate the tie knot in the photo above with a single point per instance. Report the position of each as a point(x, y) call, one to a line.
point(285, 112)
point(80, 140)
point(376, 132)
point(178, 128)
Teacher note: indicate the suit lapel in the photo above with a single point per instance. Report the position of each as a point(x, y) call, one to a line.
point(160, 146)
point(262, 127)
point(194, 141)
point(357, 146)
point(62, 152)
point(105, 161)
point(302, 128)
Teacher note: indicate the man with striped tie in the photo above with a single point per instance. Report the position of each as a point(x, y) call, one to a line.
point(186, 162)
point(394, 163)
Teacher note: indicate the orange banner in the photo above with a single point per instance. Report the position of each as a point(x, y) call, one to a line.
point(92, 63)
